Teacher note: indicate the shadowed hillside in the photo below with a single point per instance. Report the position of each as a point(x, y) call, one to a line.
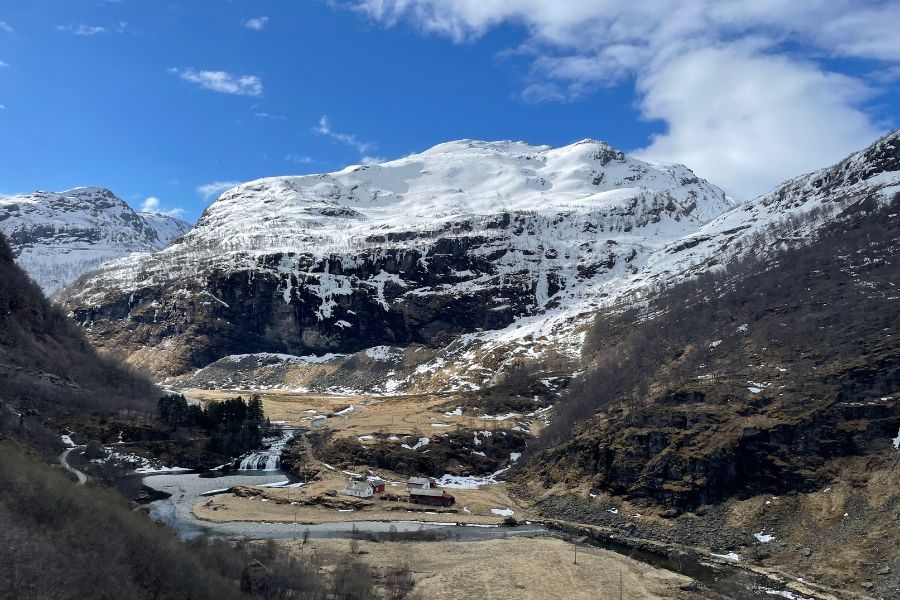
point(46, 362)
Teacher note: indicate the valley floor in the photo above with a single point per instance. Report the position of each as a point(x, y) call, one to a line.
point(516, 568)
point(309, 504)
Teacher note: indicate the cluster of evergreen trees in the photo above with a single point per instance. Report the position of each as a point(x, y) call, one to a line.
point(235, 426)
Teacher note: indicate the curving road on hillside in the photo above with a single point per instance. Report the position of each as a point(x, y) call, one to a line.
point(64, 461)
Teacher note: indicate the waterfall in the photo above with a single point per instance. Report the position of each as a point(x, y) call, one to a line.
point(269, 459)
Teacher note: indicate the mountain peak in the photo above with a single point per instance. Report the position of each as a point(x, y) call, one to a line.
point(57, 236)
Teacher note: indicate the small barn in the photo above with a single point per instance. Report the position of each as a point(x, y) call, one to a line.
point(377, 485)
point(360, 488)
point(418, 483)
point(430, 495)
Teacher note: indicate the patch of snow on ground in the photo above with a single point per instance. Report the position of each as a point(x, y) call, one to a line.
point(503, 512)
point(732, 556)
point(423, 441)
point(469, 482)
point(383, 353)
point(345, 411)
point(439, 425)
point(500, 417)
point(514, 456)
point(146, 470)
point(786, 594)
point(275, 484)
point(454, 413)
point(765, 538)
point(272, 356)
point(897, 440)
point(69, 443)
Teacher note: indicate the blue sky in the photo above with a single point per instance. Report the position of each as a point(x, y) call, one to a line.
point(162, 99)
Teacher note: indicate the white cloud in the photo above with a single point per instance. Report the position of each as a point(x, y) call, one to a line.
point(151, 204)
point(748, 120)
point(215, 188)
point(154, 205)
point(371, 160)
point(256, 24)
point(324, 128)
point(222, 81)
point(4, 26)
point(738, 85)
point(3, 64)
point(299, 159)
point(2, 107)
point(83, 30)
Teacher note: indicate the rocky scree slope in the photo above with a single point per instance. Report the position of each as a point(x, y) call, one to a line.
point(464, 238)
point(57, 237)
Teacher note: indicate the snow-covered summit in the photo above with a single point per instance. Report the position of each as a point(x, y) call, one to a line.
point(467, 235)
point(463, 179)
point(58, 236)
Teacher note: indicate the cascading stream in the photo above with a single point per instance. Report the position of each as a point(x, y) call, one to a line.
point(269, 459)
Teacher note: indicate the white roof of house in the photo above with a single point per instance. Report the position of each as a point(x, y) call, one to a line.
point(357, 485)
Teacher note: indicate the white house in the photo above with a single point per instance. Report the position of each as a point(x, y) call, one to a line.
point(359, 489)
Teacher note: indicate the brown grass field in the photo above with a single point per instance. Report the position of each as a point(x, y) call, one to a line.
point(392, 415)
point(512, 569)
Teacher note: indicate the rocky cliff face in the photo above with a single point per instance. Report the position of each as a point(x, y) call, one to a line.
point(57, 237)
point(463, 238)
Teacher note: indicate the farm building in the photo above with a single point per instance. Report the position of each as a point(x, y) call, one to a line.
point(359, 488)
point(430, 495)
point(362, 488)
point(418, 483)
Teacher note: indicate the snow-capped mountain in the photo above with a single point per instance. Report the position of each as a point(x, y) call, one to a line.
point(56, 237)
point(463, 237)
point(482, 251)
